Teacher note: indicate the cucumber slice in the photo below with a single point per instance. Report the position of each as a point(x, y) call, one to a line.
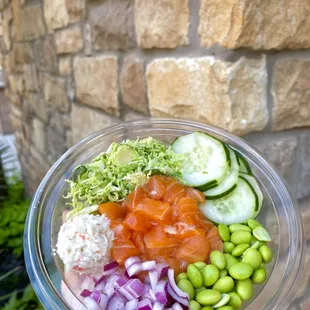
point(257, 190)
point(206, 161)
point(244, 166)
point(237, 207)
point(230, 181)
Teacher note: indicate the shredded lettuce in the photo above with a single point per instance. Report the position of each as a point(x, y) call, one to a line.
point(117, 172)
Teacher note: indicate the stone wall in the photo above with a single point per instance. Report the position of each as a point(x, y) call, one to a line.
point(76, 66)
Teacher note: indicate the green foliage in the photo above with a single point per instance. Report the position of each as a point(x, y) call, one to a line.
point(13, 214)
point(28, 300)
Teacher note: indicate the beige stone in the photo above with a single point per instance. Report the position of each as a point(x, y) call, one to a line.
point(38, 135)
point(38, 105)
point(274, 24)
point(30, 77)
point(56, 14)
point(26, 30)
point(132, 116)
point(100, 88)
point(21, 54)
point(68, 40)
point(55, 92)
point(133, 85)
point(86, 121)
point(161, 23)
point(280, 151)
point(16, 84)
point(7, 21)
point(290, 89)
point(56, 144)
point(225, 94)
point(65, 66)
point(112, 25)
point(45, 54)
point(75, 9)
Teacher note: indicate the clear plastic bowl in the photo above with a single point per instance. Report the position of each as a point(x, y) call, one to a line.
point(280, 213)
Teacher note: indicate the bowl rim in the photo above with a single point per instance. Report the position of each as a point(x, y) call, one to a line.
point(34, 263)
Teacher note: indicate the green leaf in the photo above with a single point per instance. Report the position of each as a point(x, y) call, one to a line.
point(13, 302)
point(28, 294)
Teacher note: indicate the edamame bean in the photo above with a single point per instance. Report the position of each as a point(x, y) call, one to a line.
point(223, 273)
point(207, 308)
point(224, 300)
point(198, 290)
point(210, 275)
point(261, 234)
point(208, 297)
point(266, 254)
point(230, 260)
point(217, 258)
point(194, 275)
point(241, 271)
point(226, 308)
point(236, 227)
point(182, 275)
point(240, 249)
point(194, 305)
point(244, 288)
point(253, 240)
point(240, 236)
point(200, 265)
point(253, 223)
point(235, 300)
point(187, 287)
point(259, 276)
point(224, 232)
point(228, 247)
point(224, 285)
point(253, 258)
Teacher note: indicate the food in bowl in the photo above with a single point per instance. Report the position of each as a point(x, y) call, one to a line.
point(182, 222)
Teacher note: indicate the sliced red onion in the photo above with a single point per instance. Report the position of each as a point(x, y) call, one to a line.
point(116, 302)
point(161, 292)
point(152, 295)
point(133, 289)
point(95, 295)
point(131, 260)
point(91, 304)
point(145, 304)
point(174, 286)
point(102, 279)
point(162, 269)
point(132, 304)
point(104, 299)
point(134, 269)
point(153, 276)
point(109, 288)
point(119, 282)
point(176, 306)
point(110, 266)
point(177, 298)
point(138, 267)
point(126, 294)
point(86, 293)
point(100, 286)
point(158, 306)
point(110, 269)
point(87, 284)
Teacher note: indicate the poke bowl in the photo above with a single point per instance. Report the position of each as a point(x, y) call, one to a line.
point(123, 239)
